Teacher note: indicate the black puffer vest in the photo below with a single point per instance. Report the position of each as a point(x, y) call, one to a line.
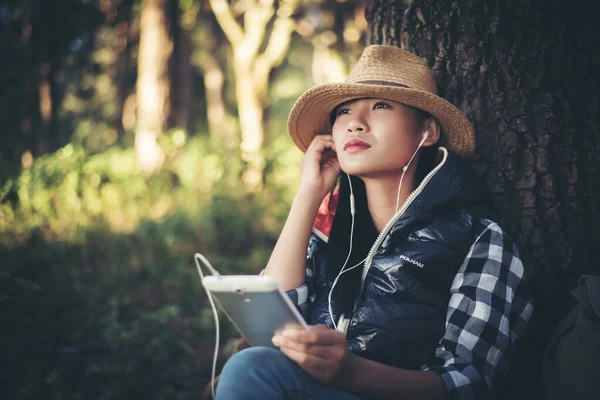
point(399, 317)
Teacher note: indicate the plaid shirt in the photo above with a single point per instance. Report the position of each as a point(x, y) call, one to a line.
point(490, 305)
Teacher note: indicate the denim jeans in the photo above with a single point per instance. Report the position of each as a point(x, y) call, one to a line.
point(263, 373)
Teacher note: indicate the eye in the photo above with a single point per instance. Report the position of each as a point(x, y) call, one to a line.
point(381, 104)
point(342, 111)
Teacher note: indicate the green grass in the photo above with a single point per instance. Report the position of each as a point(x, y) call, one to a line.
point(99, 296)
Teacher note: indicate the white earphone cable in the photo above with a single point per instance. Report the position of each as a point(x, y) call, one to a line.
point(352, 212)
point(200, 258)
point(405, 168)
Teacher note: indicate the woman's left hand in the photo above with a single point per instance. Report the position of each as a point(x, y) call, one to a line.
point(320, 351)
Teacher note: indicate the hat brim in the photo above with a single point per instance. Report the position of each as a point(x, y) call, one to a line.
point(310, 115)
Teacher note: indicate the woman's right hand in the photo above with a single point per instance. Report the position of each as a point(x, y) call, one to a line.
point(320, 169)
point(320, 166)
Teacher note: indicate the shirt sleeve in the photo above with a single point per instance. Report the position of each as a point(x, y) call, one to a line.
point(490, 306)
point(303, 295)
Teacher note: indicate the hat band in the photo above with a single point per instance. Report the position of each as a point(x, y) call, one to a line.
point(383, 83)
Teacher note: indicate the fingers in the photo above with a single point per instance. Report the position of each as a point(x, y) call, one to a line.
point(319, 144)
point(315, 151)
point(320, 166)
point(322, 352)
point(301, 357)
point(332, 169)
point(320, 139)
point(328, 157)
point(317, 340)
point(315, 366)
point(320, 327)
point(315, 335)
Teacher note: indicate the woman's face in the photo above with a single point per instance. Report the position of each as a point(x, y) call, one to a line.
point(375, 137)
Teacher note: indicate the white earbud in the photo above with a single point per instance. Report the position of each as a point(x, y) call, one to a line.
point(405, 168)
point(352, 212)
point(425, 136)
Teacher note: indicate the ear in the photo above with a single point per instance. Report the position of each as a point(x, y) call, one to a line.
point(435, 131)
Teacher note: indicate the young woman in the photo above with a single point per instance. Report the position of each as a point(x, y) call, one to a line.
point(411, 290)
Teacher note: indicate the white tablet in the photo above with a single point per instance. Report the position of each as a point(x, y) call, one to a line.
point(255, 304)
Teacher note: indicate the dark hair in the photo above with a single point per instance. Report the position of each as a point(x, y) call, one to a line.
point(365, 233)
point(338, 245)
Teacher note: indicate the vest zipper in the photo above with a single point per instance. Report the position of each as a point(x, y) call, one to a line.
point(343, 322)
point(395, 218)
point(342, 325)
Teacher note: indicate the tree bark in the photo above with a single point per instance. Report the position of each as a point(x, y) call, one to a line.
point(525, 75)
point(153, 84)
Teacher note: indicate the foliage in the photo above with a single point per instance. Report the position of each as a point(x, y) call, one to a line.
point(100, 298)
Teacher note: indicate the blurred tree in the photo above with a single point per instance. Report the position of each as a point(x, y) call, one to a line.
point(526, 75)
point(180, 68)
point(36, 39)
point(336, 32)
point(252, 66)
point(123, 14)
point(154, 83)
point(221, 122)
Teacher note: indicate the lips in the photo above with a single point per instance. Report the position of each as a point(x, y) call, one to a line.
point(355, 145)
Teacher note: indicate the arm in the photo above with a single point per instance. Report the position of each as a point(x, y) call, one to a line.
point(288, 260)
point(489, 308)
point(319, 173)
point(373, 380)
point(324, 354)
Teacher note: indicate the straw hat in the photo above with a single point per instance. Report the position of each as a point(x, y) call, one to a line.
point(385, 72)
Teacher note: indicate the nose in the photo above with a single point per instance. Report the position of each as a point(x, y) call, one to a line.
point(357, 124)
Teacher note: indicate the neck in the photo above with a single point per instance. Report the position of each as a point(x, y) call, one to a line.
point(382, 192)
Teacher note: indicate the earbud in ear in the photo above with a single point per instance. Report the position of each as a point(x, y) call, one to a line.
point(425, 136)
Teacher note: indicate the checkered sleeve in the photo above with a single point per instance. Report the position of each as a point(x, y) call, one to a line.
point(303, 295)
point(490, 306)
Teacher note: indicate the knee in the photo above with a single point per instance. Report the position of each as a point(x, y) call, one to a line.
point(249, 360)
point(250, 368)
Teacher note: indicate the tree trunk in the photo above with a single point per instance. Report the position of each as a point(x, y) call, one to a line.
point(179, 69)
point(324, 54)
point(123, 50)
point(221, 123)
point(153, 84)
point(183, 83)
point(251, 123)
point(252, 68)
point(47, 32)
point(28, 87)
point(49, 103)
point(525, 74)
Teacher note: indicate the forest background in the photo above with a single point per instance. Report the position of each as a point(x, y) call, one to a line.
point(134, 134)
point(138, 132)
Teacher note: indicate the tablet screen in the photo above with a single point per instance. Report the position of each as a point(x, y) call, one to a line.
point(257, 314)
